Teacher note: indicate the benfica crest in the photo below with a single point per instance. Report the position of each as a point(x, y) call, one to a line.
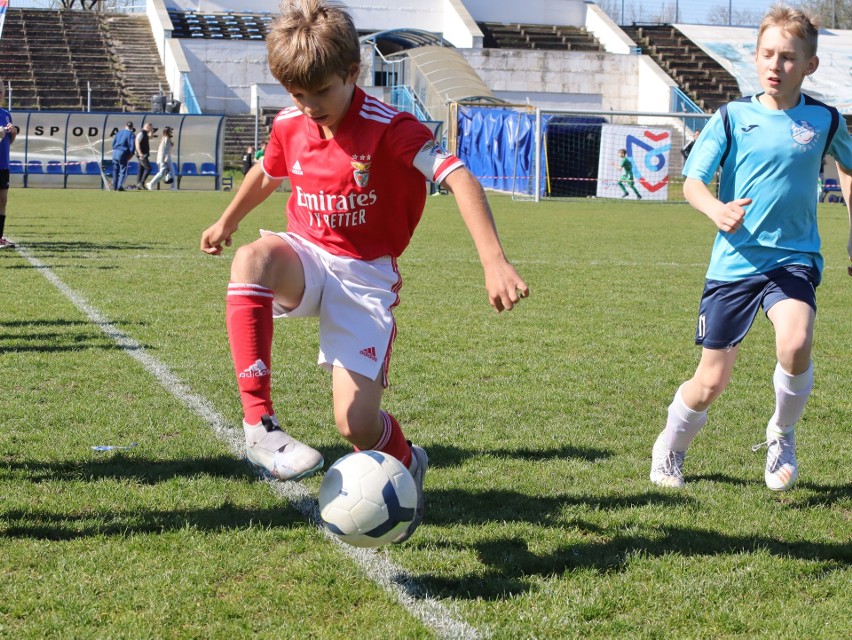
point(361, 164)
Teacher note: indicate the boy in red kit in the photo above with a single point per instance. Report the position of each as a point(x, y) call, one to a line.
point(357, 169)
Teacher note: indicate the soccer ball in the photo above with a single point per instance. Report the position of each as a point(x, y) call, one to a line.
point(367, 498)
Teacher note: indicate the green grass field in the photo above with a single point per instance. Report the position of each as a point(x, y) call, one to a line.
point(541, 521)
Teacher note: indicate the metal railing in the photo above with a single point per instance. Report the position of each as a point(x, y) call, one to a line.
point(682, 103)
point(189, 99)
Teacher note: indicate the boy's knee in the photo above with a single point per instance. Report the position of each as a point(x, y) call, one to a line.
point(360, 429)
point(708, 387)
point(249, 263)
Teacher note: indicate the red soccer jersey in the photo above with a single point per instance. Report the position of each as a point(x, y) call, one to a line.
point(361, 193)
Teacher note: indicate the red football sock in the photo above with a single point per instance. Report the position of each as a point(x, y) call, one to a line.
point(393, 441)
point(248, 316)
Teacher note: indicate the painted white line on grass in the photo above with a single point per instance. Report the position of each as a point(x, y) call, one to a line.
point(375, 564)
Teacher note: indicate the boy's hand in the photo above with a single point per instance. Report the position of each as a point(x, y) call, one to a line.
point(730, 216)
point(505, 287)
point(213, 238)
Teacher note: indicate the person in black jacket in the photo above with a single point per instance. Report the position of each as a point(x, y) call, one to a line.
point(248, 159)
point(143, 153)
point(685, 151)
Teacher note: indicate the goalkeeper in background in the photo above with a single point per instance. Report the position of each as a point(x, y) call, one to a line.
point(626, 174)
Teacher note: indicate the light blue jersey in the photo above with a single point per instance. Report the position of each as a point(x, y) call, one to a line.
point(5, 143)
point(774, 158)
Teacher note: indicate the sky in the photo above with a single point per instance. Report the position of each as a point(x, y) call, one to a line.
point(688, 11)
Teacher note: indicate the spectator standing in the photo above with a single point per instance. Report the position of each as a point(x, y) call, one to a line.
point(164, 160)
point(686, 150)
point(122, 150)
point(248, 159)
point(258, 155)
point(8, 132)
point(143, 154)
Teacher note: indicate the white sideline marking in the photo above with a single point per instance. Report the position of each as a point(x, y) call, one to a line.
point(375, 564)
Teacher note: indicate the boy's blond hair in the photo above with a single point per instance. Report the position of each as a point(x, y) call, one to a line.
point(311, 40)
point(797, 22)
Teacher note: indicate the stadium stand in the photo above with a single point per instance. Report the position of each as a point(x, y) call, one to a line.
point(230, 25)
point(53, 58)
point(697, 74)
point(536, 36)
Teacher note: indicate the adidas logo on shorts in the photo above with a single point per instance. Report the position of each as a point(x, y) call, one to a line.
point(369, 352)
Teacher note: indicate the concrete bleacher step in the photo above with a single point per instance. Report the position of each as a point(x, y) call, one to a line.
point(44, 51)
point(696, 73)
point(139, 69)
point(537, 36)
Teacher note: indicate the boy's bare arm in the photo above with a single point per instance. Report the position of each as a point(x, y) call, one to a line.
point(505, 287)
point(255, 188)
point(845, 176)
point(727, 217)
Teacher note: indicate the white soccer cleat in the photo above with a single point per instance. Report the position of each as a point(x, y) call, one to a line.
point(781, 468)
point(666, 465)
point(284, 457)
point(419, 465)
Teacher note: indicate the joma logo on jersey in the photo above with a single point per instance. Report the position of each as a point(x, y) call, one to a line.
point(361, 164)
point(649, 158)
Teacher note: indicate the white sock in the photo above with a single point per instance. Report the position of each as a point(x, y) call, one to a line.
point(254, 432)
point(791, 395)
point(683, 424)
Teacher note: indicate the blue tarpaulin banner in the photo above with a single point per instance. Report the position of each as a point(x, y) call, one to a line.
point(4, 4)
point(498, 146)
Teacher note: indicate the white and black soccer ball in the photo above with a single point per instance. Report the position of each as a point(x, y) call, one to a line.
point(367, 498)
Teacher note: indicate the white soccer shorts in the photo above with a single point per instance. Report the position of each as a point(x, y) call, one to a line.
point(354, 300)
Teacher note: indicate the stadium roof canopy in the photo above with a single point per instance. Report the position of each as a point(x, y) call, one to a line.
point(450, 74)
point(396, 40)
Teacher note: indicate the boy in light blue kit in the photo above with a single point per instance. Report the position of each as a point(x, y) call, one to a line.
point(767, 252)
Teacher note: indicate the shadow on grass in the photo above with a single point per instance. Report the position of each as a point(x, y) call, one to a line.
point(43, 525)
point(34, 336)
point(460, 507)
point(53, 247)
point(510, 563)
point(121, 467)
point(442, 456)
point(57, 268)
point(803, 495)
point(40, 524)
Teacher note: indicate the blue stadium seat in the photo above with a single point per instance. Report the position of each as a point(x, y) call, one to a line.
point(34, 166)
point(188, 169)
point(54, 167)
point(132, 168)
point(16, 166)
point(74, 169)
point(209, 169)
point(92, 168)
point(830, 185)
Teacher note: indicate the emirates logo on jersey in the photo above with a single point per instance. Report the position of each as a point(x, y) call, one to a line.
point(361, 164)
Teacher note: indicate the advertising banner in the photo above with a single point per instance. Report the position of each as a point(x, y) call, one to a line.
point(647, 152)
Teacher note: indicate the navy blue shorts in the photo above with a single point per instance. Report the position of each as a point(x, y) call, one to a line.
point(728, 309)
point(4, 179)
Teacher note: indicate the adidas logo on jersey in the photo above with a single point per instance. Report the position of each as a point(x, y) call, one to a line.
point(297, 169)
point(369, 352)
point(257, 370)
